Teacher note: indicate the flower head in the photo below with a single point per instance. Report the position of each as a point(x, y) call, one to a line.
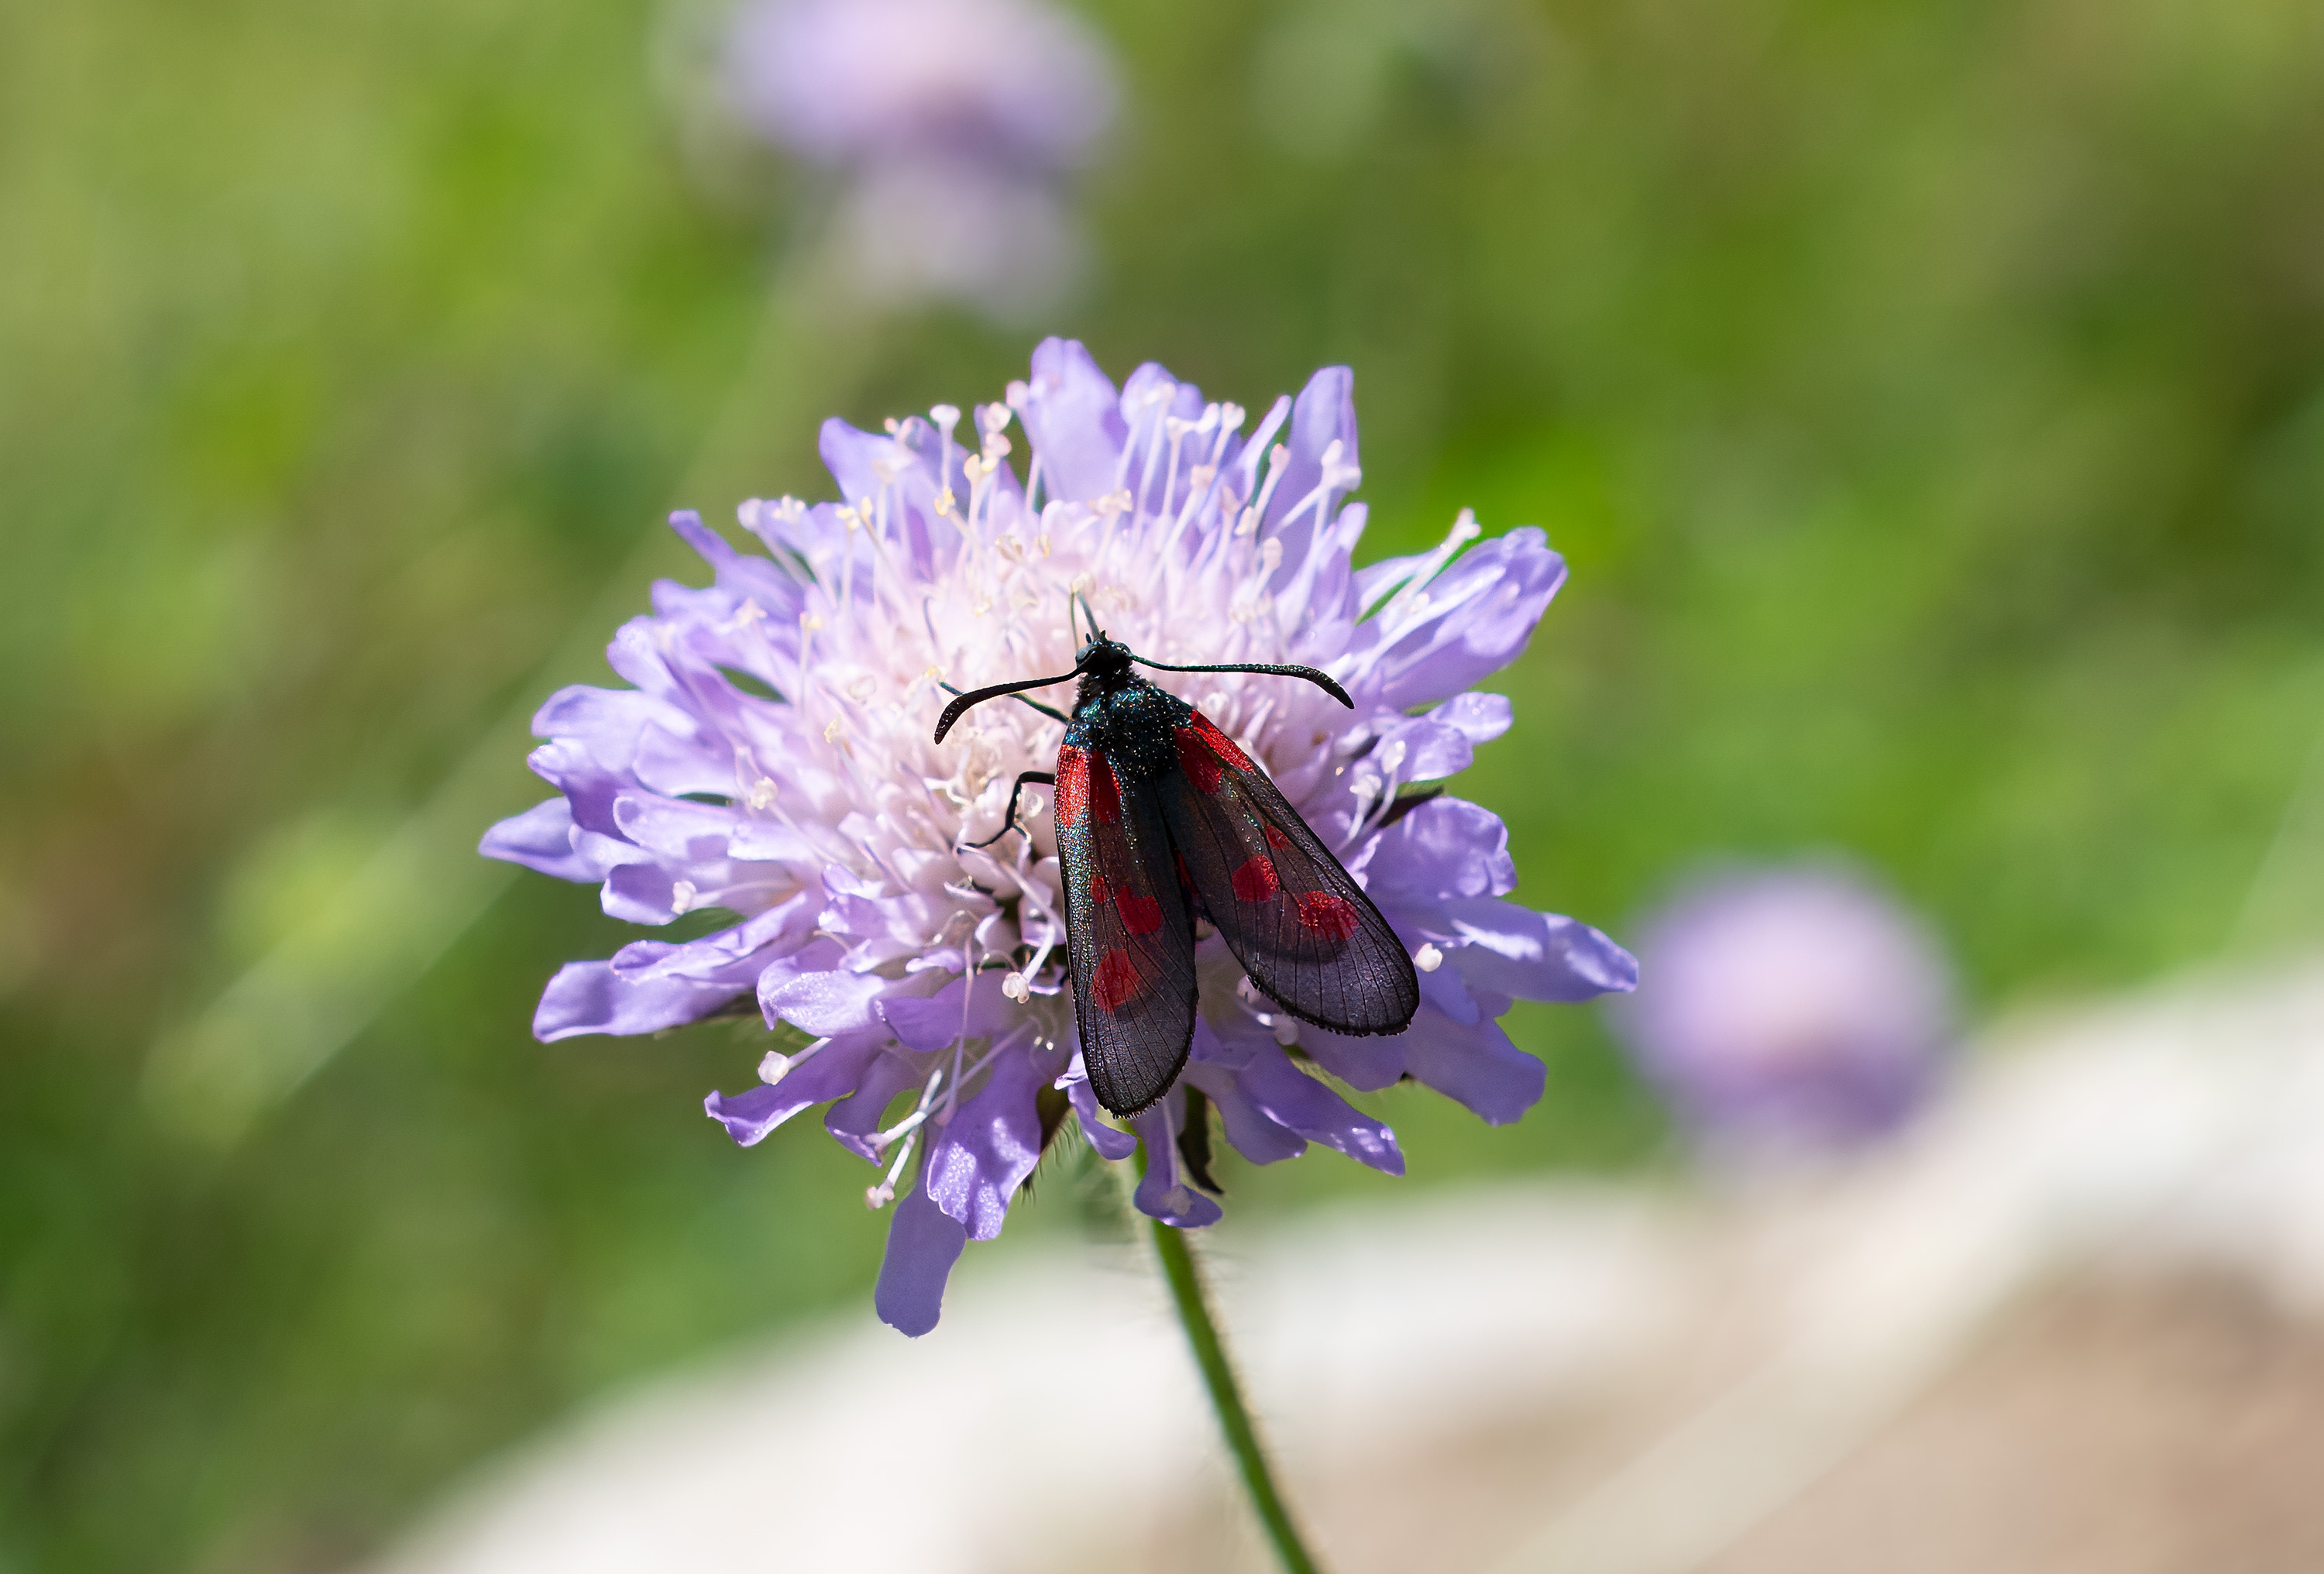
point(953, 123)
point(773, 760)
point(1790, 1009)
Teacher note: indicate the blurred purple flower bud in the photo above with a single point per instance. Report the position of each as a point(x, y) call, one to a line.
point(952, 123)
point(851, 82)
point(1789, 1011)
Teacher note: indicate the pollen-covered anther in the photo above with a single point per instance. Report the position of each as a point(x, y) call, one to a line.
point(1285, 1029)
point(1015, 987)
point(681, 896)
point(1428, 958)
point(762, 794)
point(833, 732)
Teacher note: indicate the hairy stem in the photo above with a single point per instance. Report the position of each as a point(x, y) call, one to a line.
point(1191, 1298)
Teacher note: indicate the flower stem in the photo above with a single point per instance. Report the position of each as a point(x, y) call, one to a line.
point(1191, 1299)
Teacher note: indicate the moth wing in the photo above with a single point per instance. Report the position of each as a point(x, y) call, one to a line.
point(1297, 921)
point(1131, 930)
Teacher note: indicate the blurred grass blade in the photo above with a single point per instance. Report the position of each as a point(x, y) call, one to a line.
point(211, 1077)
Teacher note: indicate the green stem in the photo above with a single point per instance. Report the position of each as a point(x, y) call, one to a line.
point(1187, 1293)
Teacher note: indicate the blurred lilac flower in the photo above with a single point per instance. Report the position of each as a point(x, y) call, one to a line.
point(953, 123)
point(1789, 1011)
point(773, 760)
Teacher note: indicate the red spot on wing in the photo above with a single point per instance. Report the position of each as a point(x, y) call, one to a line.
point(1099, 893)
point(1116, 982)
point(1254, 881)
point(1104, 796)
point(1275, 838)
point(1140, 914)
point(1195, 758)
point(1332, 917)
point(1073, 786)
point(1221, 744)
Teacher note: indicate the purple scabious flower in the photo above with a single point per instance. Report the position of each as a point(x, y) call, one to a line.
point(953, 123)
point(1789, 1010)
point(773, 760)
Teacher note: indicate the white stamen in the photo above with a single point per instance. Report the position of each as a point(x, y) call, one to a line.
point(762, 794)
point(1428, 958)
point(778, 1065)
point(681, 896)
point(1015, 987)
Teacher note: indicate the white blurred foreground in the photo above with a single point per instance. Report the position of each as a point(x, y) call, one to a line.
point(1553, 1378)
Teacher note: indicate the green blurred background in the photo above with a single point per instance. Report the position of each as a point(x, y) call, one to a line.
point(1929, 397)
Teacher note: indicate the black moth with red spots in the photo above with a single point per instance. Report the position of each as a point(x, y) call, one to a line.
point(1162, 820)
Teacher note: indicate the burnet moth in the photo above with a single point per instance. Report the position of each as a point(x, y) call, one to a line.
point(1160, 820)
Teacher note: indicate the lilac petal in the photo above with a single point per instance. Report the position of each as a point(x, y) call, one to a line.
point(1475, 1065)
point(1110, 1141)
point(606, 722)
point(1479, 614)
point(1366, 1064)
point(1162, 1193)
point(1249, 1130)
point(674, 827)
point(1446, 847)
point(1446, 989)
point(1536, 956)
point(639, 893)
point(589, 997)
point(1431, 751)
point(830, 1072)
point(1325, 413)
point(923, 1244)
point(855, 1119)
point(1480, 717)
point(1229, 1044)
point(673, 767)
point(1073, 417)
point(1292, 1099)
point(939, 1021)
point(824, 1003)
point(732, 956)
point(991, 1142)
point(816, 997)
point(739, 577)
point(541, 838)
point(769, 842)
point(589, 788)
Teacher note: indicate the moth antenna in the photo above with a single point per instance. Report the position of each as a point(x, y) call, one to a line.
point(953, 711)
point(1321, 680)
point(1095, 633)
point(1051, 711)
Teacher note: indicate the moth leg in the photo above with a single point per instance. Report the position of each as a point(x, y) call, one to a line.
point(1042, 777)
